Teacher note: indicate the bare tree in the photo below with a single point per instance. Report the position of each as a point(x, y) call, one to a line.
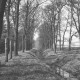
point(17, 25)
point(7, 13)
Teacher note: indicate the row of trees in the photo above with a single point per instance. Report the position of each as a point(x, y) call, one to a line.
point(52, 30)
point(7, 15)
point(20, 23)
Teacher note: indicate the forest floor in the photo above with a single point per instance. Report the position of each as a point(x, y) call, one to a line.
point(27, 67)
point(24, 67)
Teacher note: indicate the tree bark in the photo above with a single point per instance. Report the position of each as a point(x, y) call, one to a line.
point(10, 49)
point(8, 22)
point(54, 39)
point(14, 47)
point(78, 14)
point(17, 24)
point(6, 50)
point(2, 8)
point(59, 18)
point(23, 43)
point(54, 34)
point(70, 39)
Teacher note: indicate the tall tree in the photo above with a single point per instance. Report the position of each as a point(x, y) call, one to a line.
point(2, 8)
point(7, 13)
point(17, 25)
point(59, 6)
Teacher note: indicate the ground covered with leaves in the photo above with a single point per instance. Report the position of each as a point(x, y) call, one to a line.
point(24, 67)
point(27, 66)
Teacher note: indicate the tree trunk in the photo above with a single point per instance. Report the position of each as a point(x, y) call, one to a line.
point(2, 8)
point(10, 49)
point(54, 32)
point(78, 13)
point(25, 27)
point(54, 40)
point(69, 43)
point(59, 20)
point(14, 47)
point(63, 41)
point(23, 43)
point(8, 22)
point(17, 24)
point(6, 50)
point(71, 26)
point(8, 28)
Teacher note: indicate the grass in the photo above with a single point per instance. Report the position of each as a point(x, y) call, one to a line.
point(24, 68)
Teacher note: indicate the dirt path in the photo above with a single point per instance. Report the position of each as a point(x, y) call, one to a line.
point(23, 67)
point(26, 67)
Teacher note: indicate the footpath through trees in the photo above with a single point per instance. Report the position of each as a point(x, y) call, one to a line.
point(26, 66)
